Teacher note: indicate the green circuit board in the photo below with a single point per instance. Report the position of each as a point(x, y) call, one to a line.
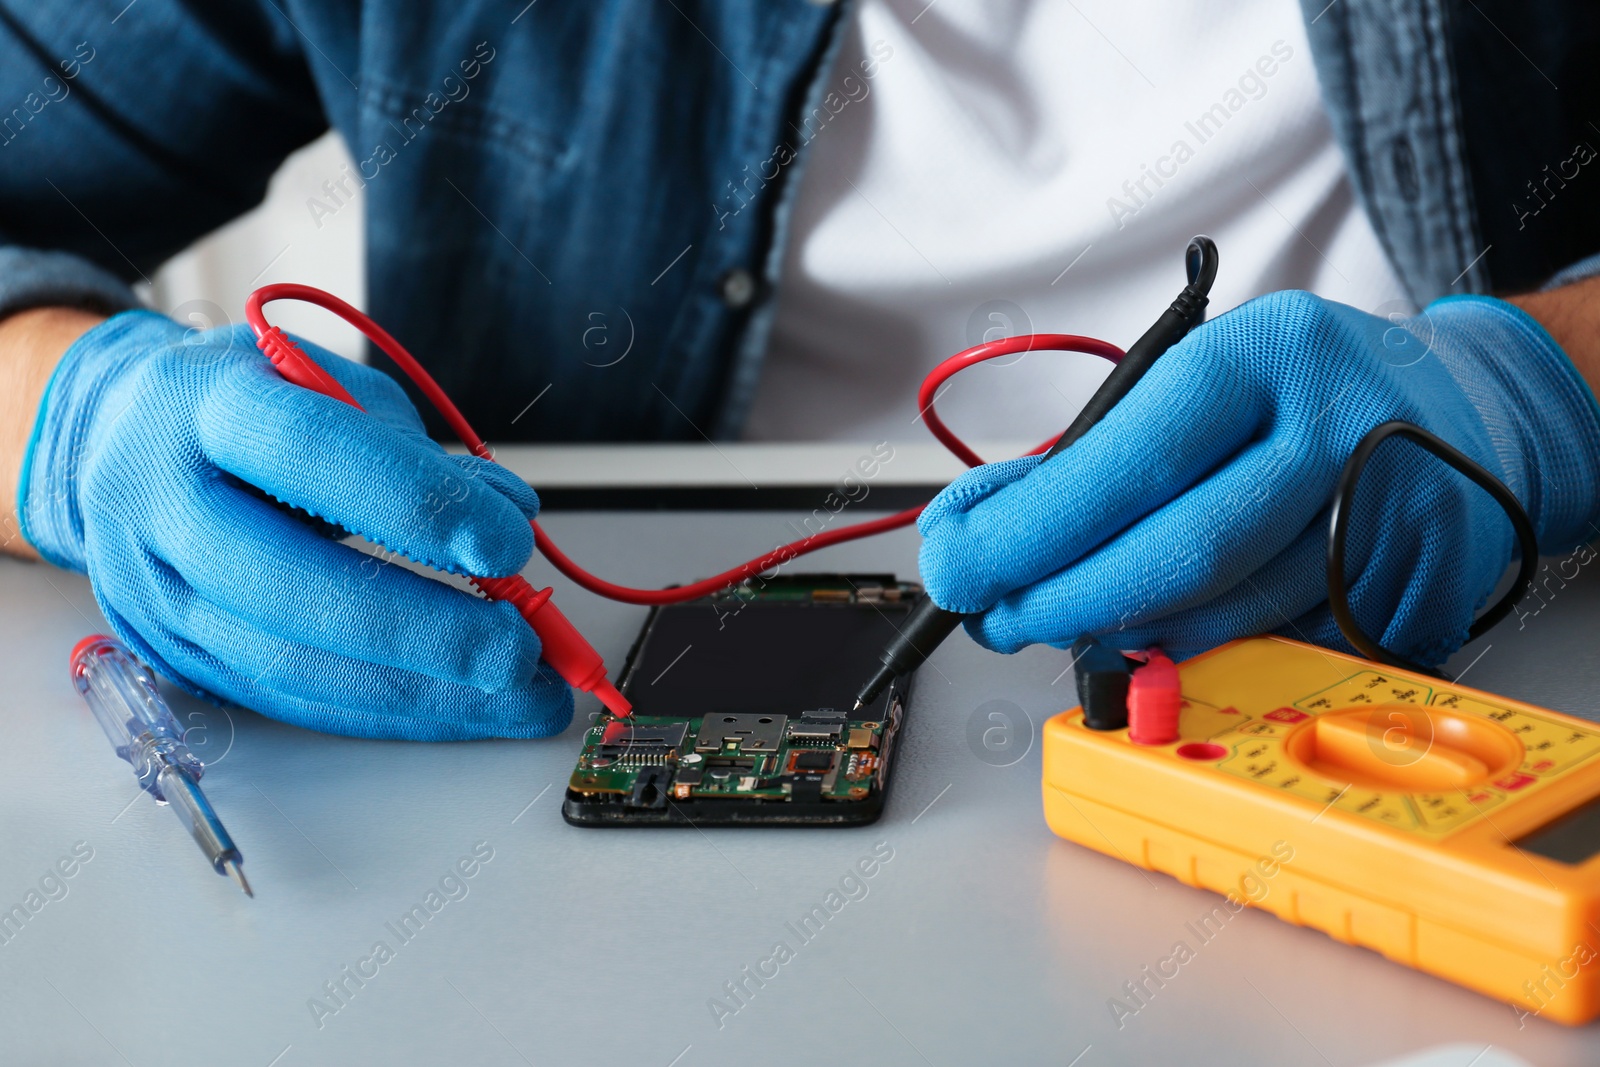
point(742, 697)
point(731, 754)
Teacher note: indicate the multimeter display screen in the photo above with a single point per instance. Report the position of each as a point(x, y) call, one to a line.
point(1573, 838)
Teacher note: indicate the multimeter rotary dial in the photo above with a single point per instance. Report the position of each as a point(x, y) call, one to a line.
point(1404, 748)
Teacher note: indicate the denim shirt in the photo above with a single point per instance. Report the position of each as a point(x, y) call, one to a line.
point(587, 203)
point(1465, 124)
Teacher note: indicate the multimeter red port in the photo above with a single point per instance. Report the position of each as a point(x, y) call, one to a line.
point(1452, 830)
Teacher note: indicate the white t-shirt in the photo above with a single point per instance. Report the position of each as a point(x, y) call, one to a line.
point(1019, 166)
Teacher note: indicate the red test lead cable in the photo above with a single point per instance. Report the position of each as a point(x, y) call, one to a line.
point(1044, 342)
point(564, 647)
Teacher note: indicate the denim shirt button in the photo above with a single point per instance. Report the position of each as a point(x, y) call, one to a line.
point(738, 288)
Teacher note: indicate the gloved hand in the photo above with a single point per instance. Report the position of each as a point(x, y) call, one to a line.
point(1196, 511)
point(146, 442)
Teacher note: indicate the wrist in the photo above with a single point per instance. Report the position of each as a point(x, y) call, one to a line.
point(1571, 316)
point(94, 375)
point(32, 343)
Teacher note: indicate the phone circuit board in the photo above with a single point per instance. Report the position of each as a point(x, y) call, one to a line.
point(742, 710)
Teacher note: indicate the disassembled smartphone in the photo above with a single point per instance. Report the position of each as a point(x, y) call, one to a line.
point(741, 710)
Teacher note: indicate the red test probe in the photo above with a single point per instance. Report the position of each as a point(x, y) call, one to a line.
point(564, 647)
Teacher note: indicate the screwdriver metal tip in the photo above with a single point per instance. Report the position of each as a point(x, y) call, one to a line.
point(231, 868)
point(858, 706)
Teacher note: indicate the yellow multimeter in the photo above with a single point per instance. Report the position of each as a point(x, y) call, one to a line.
point(1452, 830)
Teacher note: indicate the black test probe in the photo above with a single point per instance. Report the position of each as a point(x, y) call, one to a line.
point(929, 624)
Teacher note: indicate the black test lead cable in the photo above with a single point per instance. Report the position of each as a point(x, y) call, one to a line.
point(1339, 525)
point(929, 624)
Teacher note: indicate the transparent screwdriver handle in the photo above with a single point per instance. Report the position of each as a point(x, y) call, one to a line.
point(123, 696)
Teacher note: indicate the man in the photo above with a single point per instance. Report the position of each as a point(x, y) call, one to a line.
point(700, 164)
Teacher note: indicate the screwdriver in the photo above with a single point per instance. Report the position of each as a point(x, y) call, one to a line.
point(929, 624)
point(123, 696)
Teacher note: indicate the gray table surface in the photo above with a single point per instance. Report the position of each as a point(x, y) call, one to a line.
point(983, 939)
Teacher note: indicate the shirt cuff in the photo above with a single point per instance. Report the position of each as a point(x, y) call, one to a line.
point(31, 278)
point(1577, 272)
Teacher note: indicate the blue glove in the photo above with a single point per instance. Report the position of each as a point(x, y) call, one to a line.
point(1197, 510)
point(151, 467)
